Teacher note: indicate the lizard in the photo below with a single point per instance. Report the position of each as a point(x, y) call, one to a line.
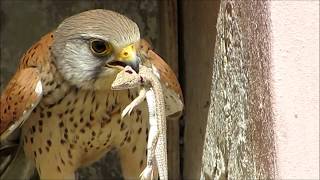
point(151, 90)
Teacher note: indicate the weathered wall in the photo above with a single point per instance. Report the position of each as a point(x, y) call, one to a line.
point(295, 75)
point(239, 140)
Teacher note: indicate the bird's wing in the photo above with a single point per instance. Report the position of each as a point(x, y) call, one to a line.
point(24, 90)
point(19, 98)
point(21, 95)
point(172, 91)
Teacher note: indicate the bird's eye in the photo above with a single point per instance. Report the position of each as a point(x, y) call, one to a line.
point(100, 47)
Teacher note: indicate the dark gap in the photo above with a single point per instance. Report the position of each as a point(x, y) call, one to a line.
point(181, 76)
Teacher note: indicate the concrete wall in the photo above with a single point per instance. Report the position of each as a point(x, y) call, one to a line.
point(295, 75)
point(239, 137)
point(263, 118)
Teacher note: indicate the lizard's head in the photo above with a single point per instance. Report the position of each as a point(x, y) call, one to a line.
point(127, 79)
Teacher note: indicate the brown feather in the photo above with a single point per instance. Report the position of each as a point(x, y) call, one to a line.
point(167, 75)
point(39, 54)
point(19, 97)
point(172, 90)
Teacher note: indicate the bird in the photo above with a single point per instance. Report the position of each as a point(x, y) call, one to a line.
point(59, 103)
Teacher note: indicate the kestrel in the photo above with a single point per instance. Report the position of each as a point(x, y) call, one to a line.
point(61, 96)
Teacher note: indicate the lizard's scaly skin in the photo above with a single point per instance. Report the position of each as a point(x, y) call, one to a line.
point(128, 79)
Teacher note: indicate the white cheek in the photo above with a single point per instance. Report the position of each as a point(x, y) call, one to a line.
point(79, 64)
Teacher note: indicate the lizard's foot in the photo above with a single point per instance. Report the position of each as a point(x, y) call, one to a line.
point(127, 110)
point(148, 173)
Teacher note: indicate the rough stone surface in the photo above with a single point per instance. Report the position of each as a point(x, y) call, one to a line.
point(239, 140)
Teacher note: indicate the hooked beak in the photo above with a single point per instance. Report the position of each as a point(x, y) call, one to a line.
point(127, 57)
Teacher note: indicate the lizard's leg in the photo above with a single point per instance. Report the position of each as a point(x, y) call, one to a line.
point(134, 103)
point(149, 171)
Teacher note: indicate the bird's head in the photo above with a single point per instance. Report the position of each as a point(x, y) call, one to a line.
point(90, 48)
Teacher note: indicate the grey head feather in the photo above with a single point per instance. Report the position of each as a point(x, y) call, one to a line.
point(71, 50)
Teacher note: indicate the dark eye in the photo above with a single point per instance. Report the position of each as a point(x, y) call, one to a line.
point(100, 47)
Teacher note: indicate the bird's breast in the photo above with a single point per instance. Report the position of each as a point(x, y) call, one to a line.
point(81, 125)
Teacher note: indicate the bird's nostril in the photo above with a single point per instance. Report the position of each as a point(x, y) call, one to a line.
point(125, 53)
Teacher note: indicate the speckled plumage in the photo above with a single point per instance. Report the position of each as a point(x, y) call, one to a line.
point(75, 120)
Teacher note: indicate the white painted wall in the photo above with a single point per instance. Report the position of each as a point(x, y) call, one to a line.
point(295, 60)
